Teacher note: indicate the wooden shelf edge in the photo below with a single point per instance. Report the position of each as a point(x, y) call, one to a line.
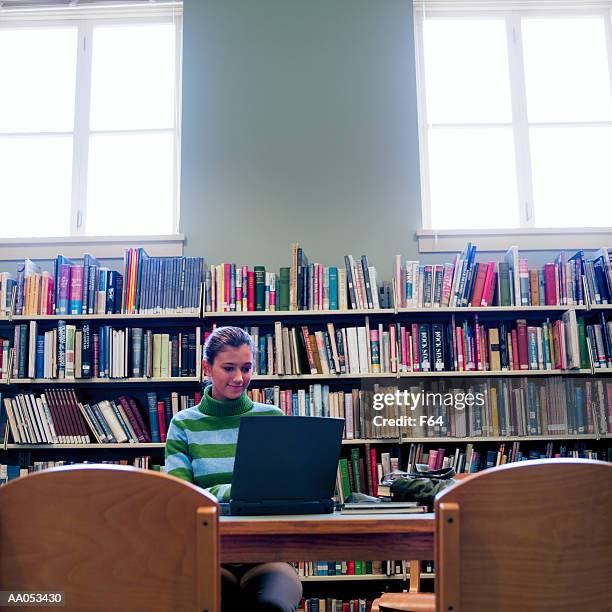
point(298, 377)
point(203, 316)
point(444, 374)
point(297, 313)
point(90, 446)
point(102, 317)
point(495, 309)
point(495, 373)
point(358, 442)
point(500, 439)
point(100, 381)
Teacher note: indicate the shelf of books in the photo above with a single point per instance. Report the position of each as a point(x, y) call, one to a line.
point(334, 577)
point(352, 585)
point(106, 316)
point(322, 604)
point(95, 362)
point(346, 571)
point(88, 446)
point(132, 446)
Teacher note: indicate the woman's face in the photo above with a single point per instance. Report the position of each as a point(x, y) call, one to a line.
point(230, 372)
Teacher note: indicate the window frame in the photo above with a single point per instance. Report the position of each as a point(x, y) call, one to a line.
point(85, 20)
point(527, 235)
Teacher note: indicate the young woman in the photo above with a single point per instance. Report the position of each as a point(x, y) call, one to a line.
point(200, 448)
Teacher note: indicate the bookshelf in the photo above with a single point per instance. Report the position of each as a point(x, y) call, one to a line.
point(395, 444)
point(389, 315)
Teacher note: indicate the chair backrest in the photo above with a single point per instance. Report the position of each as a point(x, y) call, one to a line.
point(111, 538)
point(533, 535)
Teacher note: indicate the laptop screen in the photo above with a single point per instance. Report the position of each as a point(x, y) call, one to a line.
point(286, 458)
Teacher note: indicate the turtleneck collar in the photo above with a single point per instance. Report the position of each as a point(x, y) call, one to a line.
point(213, 407)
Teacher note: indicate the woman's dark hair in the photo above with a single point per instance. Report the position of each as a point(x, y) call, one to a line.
point(223, 337)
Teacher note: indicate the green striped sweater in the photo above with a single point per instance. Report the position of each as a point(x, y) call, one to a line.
point(201, 441)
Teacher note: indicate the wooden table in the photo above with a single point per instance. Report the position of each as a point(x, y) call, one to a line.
point(255, 539)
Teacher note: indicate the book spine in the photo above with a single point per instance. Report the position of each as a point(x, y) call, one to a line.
point(505, 298)
point(153, 418)
point(424, 332)
point(447, 280)
point(127, 409)
point(550, 285)
point(109, 304)
point(161, 420)
point(63, 302)
point(523, 353)
point(488, 283)
point(350, 283)
point(61, 349)
point(91, 290)
point(137, 352)
point(367, 280)
point(438, 347)
point(251, 290)
point(260, 288)
point(76, 289)
point(428, 286)
point(416, 352)
point(122, 423)
point(138, 416)
point(524, 282)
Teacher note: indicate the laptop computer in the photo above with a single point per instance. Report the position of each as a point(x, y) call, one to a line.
point(285, 466)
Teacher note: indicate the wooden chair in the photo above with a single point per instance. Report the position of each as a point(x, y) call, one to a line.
point(413, 600)
point(530, 536)
point(111, 538)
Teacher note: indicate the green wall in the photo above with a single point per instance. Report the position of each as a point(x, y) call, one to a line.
point(299, 123)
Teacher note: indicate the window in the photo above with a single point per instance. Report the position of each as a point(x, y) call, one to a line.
point(515, 114)
point(89, 129)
